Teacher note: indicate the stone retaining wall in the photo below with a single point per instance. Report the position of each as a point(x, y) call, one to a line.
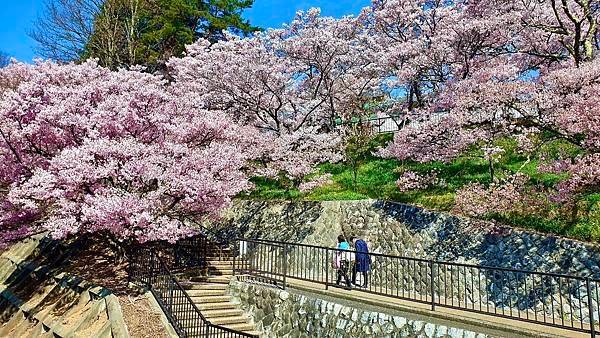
point(409, 231)
point(35, 302)
point(288, 314)
point(405, 230)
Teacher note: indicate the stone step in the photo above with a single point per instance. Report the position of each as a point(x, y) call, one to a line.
point(206, 292)
point(230, 320)
point(217, 256)
point(233, 312)
point(222, 253)
point(217, 251)
point(221, 259)
point(218, 274)
point(226, 264)
point(211, 299)
point(212, 266)
point(211, 279)
point(213, 259)
point(223, 270)
point(215, 306)
point(217, 246)
point(203, 286)
point(245, 327)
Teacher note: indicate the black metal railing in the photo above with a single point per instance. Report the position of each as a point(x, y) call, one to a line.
point(150, 267)
point(379, 125)
point(389, 124)
point(557, 300)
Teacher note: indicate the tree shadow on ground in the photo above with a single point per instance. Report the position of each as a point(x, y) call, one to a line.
point(96, 263)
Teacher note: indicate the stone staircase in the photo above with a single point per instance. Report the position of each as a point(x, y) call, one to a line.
point(208, 291)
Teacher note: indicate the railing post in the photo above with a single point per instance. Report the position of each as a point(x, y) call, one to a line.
point(204, 253)
point(327, 269)
point(236, 251)
point(171, 296)
point(177, 253)
point(285, 263)
point(590, 308)
point(151, 272)
point(432, 282)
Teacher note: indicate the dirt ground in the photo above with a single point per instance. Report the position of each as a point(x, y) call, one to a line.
point(141, 320)
point(98, 264)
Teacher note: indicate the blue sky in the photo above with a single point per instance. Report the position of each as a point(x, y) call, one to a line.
point(17, 16)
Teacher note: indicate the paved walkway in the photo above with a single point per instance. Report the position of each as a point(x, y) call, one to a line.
point(512, 328)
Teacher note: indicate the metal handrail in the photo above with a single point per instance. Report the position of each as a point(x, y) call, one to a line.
point(213, 236)
point(375, 254)
point(203, 319)
point(377, 123)
point(506, 292)
point(173, 279)
point(151, 270)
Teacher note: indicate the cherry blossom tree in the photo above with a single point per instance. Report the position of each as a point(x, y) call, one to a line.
point(508, 195)
point(430, 48)
point(530, 71)
point(557, 30)
point(290, 83)
point(87, 150)
point(561, 102)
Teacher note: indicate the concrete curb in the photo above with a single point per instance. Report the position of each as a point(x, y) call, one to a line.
point(115, 316)
point(163, 318)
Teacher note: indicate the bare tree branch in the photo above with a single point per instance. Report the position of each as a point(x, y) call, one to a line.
point(64, 29)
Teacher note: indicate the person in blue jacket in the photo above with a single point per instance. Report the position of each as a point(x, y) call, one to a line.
point(362, 261)
point(342, 259)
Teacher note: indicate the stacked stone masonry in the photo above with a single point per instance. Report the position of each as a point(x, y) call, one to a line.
point(409, 231)
point(35, 302)
point(288, 314)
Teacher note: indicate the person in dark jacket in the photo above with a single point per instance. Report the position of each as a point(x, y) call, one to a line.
point(362, 261)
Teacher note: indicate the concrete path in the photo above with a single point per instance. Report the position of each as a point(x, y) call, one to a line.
point(512, 328)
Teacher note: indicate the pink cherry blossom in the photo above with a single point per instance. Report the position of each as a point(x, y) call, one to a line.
point(410, 181)
point(88, 150)
point(319, 181)
point(508, 195)
point(85, 149)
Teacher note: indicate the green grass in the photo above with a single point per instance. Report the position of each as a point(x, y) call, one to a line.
point(271, 190)
point(377, 177)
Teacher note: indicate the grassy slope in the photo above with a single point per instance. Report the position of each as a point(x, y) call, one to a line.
point(377, 177)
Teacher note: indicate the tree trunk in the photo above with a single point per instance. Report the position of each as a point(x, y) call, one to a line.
point(354, 175)
point(574, 212)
